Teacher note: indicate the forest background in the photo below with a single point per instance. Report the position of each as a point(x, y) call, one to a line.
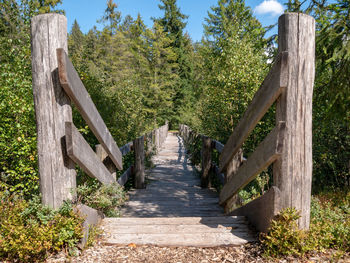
point(139, 77)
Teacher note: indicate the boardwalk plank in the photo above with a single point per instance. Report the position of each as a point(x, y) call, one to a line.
point(174, 210)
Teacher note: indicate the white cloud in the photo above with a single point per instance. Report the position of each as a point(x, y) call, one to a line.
point(272, 7)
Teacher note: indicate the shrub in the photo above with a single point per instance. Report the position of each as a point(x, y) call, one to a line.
point(330, 224)
point(106, 198)
point(29, 231)
point(284, 237)
point(18, 158)
point(329, 229)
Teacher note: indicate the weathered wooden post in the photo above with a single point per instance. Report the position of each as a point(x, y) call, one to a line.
point(149, 142)
point(293, 171)
point(156, 139)
point(206, 161)
point(139, 168)
point(231, 170)
point(52, 110)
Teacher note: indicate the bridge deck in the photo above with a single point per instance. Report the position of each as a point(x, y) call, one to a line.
point(173, 210)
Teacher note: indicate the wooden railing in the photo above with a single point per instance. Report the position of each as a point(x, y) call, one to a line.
point(60, 145)
point(288, 146)
point(153, 140)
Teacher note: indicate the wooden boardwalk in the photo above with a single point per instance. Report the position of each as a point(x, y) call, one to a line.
point(174, 210)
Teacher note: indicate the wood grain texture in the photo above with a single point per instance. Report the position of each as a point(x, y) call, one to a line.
point(126, 176)
point(266, 153)
point(262, 210)
point(293, 172)
point(194, 240)
point(270, 90)
point(75, 89)
point(104, 158)
point(82, 154)
point(139, 166)
point(206, 161)
point(125, 149)
point(172, 179)
point(230, 172)
point(219, 176)
point(52, 110)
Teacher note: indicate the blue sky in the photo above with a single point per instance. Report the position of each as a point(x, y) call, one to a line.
point(87, 12)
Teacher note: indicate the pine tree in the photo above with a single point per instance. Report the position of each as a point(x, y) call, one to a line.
point(76, 44)
point(173, 23)
point(230, 18)
point(111, 16)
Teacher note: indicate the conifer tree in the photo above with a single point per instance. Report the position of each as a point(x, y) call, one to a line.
point(173, 23)
point(76, 44)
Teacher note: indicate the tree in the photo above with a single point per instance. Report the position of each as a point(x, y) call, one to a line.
point(76, 44)
point(331, 101)
point(173, 23)
point(18, 162)
point(230, 18)
point(111, 16)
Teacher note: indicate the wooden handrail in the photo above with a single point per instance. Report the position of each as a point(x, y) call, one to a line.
point(74, 88)
point(60, 145)
point(82, 154)
point(288, 146)
point(265, 154)
point(270, 90)
point(137, 169)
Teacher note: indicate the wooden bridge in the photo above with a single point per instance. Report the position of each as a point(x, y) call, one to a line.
point(171, 205)
point(174, 210)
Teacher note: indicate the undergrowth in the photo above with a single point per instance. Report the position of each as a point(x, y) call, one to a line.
point(329, 229)
point(29, 231)
point(105, 198)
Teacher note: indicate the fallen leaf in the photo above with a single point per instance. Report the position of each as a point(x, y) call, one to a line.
point(132, 245)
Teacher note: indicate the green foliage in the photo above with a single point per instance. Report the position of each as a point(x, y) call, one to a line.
point(331, 104)
point(29, 231)
point(173, 23)
point(329, 228)
point(284, 237)
point(234, 67)
point(331, 115)
point(330, 223)
point(18, 159)
point(193, 148)
point(106, 198)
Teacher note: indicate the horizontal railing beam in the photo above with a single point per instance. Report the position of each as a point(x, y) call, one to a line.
point(125, 149)
point(81, 153)
point(74, 87)
point(218, 146)
point(261, 210)
point(265, 154)
point(270, 90)
point(125, 176)
point(219, 176)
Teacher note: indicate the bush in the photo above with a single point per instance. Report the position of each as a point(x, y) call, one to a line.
point(106, 198)
point(18, 159)
point(29, 231)
point(330, 224)
point(284, 237)
point(329, 229)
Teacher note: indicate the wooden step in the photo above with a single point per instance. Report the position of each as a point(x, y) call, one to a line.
point(187, 231)
point(174, 210)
